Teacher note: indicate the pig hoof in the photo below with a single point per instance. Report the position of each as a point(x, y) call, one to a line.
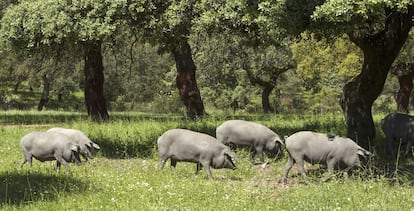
point(265, 165)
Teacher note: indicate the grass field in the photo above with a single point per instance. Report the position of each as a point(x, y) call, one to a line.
point(124, 175)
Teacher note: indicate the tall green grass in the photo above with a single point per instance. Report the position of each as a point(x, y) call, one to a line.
point(124, 175)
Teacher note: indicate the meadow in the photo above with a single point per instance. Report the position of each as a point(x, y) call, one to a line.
point(124, 175)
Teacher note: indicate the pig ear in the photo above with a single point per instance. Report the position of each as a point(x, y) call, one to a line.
point(280, 141)
point(363, 152)
point(75, 148)
point(230, 153)
point(276, 141)
point(89, 145)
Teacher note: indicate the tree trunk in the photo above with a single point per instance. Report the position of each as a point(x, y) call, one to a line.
point(45, 93)
point(186, 80)
point(16, 86)
point(94, 81)
point(267, 84)
point(380, 51)
point(265, 99)
point(405, 74)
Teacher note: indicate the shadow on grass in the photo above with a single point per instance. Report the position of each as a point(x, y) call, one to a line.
point(24, 188)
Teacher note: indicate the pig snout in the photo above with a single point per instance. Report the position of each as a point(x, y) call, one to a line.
point(228, 163)
point(76, 155)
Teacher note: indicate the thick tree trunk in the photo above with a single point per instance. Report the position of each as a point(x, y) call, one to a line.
point(186, 80)
point(45, 93)
point(94, 81)
point(265, 99)
point(359, 95)
point(380, 51)
point(405, 74)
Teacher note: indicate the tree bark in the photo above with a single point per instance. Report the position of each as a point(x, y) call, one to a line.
point(380, 51)
point(45, 93)
point(94, 81)
point(265, 99)
point(405, 74)
point(186, 79)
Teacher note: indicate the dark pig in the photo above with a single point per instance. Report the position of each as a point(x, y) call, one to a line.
point(398, 127)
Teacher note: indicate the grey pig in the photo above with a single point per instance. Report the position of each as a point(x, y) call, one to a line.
point(49, 146)
point(88, 148)
point(334, 151)
point(189, 146)
point(398, 127)
point(240, 133)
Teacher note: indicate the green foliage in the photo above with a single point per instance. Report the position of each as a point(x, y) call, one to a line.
point(37, 25)
point(405, 56)
point(324, 66)
point(138, 78)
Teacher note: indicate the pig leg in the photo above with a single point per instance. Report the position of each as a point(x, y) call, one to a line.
point(58, 164)
point(301, 166)
point(85, 157)
point(23, 162)
point(207, 167)
point(289, 165)
point(27, 158)
point(408, 149)
point(162, 163)
point(252, 154)
point(259, 151)
point(331, 165)
point(61, 161)
point(198, 167)
point(173, 164)
point(389, 147)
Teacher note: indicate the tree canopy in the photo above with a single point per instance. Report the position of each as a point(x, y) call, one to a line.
point(377, 29)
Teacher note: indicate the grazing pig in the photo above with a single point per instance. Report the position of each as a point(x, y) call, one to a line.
point(48, 146)
point(240, 133)
point(87, 147)
point(334, 151)
point(398, 127)
point(190, 146)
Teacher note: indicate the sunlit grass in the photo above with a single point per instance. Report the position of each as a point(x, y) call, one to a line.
point(124, 175)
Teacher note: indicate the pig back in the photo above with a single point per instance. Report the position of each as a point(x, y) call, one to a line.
point(185, 144)
point(244, 132)
point(315, 147)
point(398, 125)
point(44, 144)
